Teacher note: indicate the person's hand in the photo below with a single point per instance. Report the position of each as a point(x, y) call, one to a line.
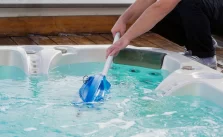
point(120, 26)
point(117, 46)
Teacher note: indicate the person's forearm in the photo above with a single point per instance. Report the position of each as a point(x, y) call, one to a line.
point(150, 17)
point(135, 10)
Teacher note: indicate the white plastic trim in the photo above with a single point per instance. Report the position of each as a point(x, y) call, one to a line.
point(23, 12)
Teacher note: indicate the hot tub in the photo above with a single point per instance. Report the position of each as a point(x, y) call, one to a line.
point(155, 93)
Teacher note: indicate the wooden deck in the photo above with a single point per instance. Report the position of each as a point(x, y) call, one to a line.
point(146, 40)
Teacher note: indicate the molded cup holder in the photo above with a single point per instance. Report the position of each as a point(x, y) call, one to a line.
point(62, 49)
point(32, 49)
point(191, 68)
point(207, 75)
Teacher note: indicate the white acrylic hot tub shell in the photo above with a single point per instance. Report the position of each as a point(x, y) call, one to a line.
point(13, 57)
point(202, 81)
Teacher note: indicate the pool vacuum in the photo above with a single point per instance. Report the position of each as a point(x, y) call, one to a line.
point(96, 87)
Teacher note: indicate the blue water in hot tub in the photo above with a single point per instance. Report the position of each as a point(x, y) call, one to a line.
point(43, 106)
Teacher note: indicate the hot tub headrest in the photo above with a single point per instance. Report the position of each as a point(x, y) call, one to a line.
point(140, 57)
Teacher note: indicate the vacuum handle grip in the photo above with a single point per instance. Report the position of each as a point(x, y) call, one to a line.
point(117, 37)
point(110, 58)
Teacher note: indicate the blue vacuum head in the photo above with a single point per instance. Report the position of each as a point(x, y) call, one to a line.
point(94, 89)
